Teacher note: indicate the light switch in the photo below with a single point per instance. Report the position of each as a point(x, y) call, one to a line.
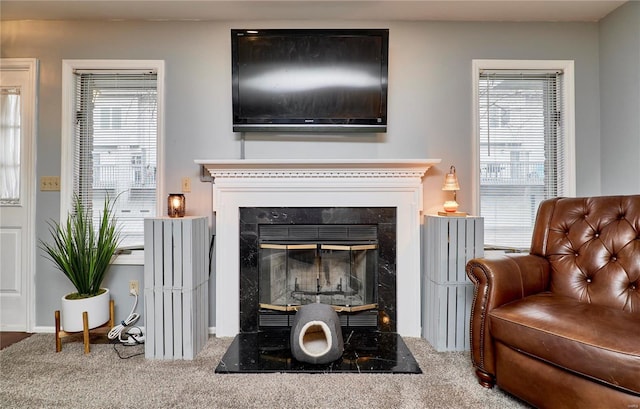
point(50, 183)
point(186, 185)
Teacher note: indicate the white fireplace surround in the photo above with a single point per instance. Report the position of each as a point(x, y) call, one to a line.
point(317, 183)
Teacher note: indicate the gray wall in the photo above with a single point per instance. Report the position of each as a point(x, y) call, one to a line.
point(620, 100)
point(430, 104)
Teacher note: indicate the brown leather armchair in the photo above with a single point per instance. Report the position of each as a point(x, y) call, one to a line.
point(560, 327)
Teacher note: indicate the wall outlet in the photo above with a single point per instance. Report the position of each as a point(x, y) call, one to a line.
point(186, 185)
point(50, 183)
point(134, 287)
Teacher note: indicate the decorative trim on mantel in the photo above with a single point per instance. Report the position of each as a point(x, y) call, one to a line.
point(329, 168)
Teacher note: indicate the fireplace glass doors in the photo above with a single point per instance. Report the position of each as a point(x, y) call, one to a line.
point(297, 274)
point(330, 264)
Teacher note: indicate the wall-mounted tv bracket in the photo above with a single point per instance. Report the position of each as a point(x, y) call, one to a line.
point(242, 141)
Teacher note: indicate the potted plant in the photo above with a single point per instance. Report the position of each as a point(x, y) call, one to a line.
point(83, 252)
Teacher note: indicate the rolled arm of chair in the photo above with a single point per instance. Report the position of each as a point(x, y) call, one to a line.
point(498, 281)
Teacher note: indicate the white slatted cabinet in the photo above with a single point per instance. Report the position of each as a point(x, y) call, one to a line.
point(447, 293)
point(176, 277)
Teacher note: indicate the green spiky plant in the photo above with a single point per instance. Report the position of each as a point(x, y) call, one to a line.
point(80, 251)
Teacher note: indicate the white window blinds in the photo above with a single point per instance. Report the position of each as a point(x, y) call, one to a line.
point(116, 132)
point(522, 152)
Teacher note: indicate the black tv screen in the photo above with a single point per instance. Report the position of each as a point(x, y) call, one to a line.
point(310, 80)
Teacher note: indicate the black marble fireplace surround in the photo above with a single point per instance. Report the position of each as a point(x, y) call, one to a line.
point(252, 218)
point(376, 349)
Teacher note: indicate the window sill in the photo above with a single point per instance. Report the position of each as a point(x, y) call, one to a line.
point(504, 252)
point(132, 258)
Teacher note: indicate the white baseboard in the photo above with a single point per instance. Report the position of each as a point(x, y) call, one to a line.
point(52, 330)
point(44, 330)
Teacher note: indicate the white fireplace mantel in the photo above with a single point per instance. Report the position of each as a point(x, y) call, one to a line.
point(317, 183)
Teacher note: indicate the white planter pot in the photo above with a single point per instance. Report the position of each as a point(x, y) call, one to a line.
point(96, 307)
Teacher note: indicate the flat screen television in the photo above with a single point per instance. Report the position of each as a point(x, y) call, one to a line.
point(310, 80)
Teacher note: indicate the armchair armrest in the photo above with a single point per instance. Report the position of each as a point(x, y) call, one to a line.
point(498, 281)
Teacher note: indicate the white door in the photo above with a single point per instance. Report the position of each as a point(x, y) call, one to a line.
point(18, 78)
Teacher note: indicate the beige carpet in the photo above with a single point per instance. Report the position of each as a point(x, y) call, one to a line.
point(33, 375)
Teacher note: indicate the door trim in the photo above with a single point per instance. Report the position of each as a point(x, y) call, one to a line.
point(30, 123)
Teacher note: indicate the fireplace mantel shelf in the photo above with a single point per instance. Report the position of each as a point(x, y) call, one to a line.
point(322, 168)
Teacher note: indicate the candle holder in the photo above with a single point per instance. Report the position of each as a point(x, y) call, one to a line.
point(176, 205)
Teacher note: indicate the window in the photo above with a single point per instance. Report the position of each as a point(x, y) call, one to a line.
point(10, 143)
point(524, 140)
point(112, 146)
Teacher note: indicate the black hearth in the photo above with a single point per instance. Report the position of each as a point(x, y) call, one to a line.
point(365, 351)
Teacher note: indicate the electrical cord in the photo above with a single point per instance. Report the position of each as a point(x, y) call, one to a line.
point(132, 338)
point(211, 247)
point(121, 356)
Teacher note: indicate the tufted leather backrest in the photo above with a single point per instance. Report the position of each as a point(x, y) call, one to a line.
point(593, 246)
